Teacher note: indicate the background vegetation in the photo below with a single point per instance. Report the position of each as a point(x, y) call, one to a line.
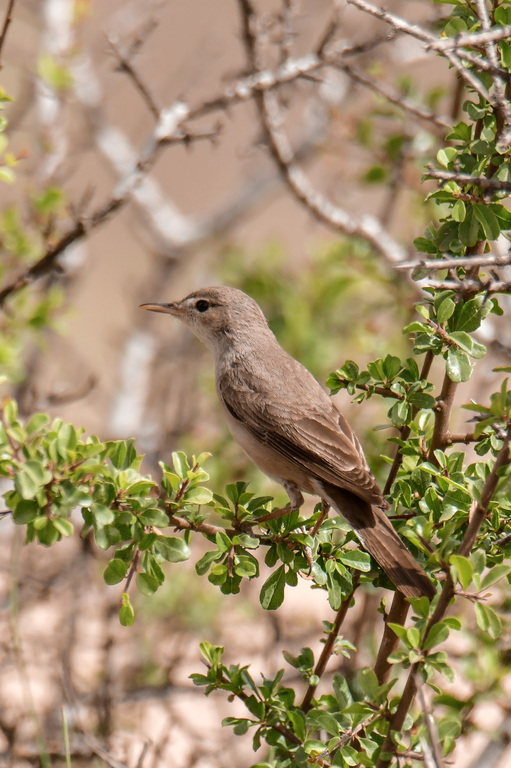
point(348, 166)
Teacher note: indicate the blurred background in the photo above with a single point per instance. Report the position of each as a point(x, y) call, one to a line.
point(87, 79)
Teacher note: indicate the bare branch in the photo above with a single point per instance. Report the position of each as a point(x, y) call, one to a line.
point(498, 85)
point(329, 645)
point(390, 641)
point(432, 751)
point(452, 263)
point(426, 37)
point(459, 437)
point(466, 178)
point(363, 79)
point(125, 64)
point(470, 286)
point(332, 215)
point(49, 261)
point(396, 22)
point(481, 63)
point(5, 28)
point(475, 40)
point(481, 508)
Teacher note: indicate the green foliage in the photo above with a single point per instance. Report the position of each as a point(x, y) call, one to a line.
point(391, 378)
point(452, 508)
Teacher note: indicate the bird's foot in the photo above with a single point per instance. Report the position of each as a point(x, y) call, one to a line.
point(295, 502)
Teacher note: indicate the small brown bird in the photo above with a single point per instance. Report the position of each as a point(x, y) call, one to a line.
point(289, 427)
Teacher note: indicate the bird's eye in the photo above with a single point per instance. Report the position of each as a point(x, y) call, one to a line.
point(202, 305)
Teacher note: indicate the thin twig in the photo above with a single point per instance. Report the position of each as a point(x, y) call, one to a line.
point(405, 431)
point(323, 209)
point(436, 760)
point(415, 30)
point(451, 263)
point(475, 40)
point(390, 641)
point(393, 98)
point(465, 178)
point(6, 25)
point(443, 409)
point(499, 87)
point(470, 286)
point(481, 508)
point(125, 64)
point(329, 645)
point(455, 437)
point(49, 262)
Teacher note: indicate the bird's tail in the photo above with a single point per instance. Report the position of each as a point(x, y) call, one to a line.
point(379, 538)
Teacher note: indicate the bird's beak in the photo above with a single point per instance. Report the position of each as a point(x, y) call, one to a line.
point(168, 309)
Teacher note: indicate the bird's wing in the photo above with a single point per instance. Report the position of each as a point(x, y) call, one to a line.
point(313, 435)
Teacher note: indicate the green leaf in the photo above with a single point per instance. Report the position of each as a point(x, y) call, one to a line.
point(54, 73)
point(413, 637)
point(368, 683)
point(25, 511)
point(391, 366)
point(398, 630)
point(459, 211)
point(424, 245)
point(297, 720)
point(30, 478)
point(495, 574)
point(203, 565)
point(355, 558)
point(154, 516)
point(469, 229)
point(147, 584)
point(446, 156)
point(455, 26)
point(459, 367)
point(468, 344)
point(488, 620)
point(126, 612)
point(172, 549)
point(422, 400)
point(488, 221)
point(180, 464)
point(115, 571)
point(63, 526)
point(505, 51)
point(198, 495)
point(445, 310)
point(36, 423)
point(438, 633)
point(272, 591)
point(464, 569)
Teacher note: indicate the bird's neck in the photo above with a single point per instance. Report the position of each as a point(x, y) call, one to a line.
point(246, 346)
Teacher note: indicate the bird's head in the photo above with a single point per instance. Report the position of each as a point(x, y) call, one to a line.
point(219, 316)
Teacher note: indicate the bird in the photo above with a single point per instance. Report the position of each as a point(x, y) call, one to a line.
point(290, 428)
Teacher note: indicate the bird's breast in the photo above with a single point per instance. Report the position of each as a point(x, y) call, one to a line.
point(269, 461)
